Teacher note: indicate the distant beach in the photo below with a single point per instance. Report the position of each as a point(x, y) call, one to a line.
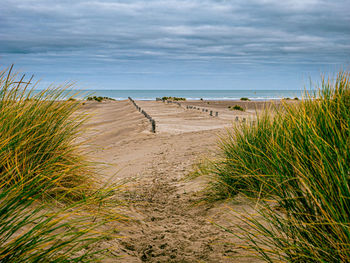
point(195, 94)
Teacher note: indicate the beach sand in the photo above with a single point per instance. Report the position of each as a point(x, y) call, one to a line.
point(169, 225)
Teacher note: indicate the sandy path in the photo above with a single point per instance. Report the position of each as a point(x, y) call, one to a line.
point(169, 226)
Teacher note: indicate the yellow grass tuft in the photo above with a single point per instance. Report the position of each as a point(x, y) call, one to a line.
point(37, 135)
point(40, 159)
point(296, 161)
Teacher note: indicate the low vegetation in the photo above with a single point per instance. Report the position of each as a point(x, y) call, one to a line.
point(47, 196)
point(245, 99)
point(295, 163)
point(295, 98)
point(236, 107)
point(99, 98)
point(173, 98)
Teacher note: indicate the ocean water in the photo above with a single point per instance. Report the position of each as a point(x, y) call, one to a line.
point(194, 94)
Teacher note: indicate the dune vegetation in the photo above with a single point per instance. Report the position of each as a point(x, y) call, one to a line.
point(99, 98)
point(37, 134)
point(47, 194)
point(294, 163)
point(236, 107)
point(173, 98)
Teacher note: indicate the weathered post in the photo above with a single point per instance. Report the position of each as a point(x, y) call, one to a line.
point(211, 113)
point(216, 114)
point(153, 126)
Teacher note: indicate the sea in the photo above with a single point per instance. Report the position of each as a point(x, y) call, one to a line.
point(193, 94)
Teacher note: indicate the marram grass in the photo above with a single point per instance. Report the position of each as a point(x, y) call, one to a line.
point(31, 231)
point(37, 137)
point(295, 160)
point(40, 166)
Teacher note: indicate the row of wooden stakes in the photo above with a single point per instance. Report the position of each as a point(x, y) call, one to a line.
point(211, 113)
point(152, 121)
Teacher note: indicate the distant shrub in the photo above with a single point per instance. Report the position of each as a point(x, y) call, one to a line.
point(236, 107)
point(179, 98)
point(296, 98)
point(99, 98)
point(245, 99)
point(173, 98)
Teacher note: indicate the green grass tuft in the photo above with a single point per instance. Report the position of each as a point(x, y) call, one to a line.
point(50, 210)
point(236, 107)
point(99, 98)
point(173, 98)
point(37, 135)
point(296, 161)
point(32, 231)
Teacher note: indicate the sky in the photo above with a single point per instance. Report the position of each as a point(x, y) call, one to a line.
point(176, 44)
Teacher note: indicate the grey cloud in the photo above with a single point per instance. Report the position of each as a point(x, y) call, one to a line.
point(253, 31)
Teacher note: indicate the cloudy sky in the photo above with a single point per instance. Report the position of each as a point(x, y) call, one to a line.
point(176, 44)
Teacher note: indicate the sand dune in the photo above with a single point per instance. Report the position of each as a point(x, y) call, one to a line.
point(169, 226)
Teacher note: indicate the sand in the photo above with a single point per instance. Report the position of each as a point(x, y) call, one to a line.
point(168, 225)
